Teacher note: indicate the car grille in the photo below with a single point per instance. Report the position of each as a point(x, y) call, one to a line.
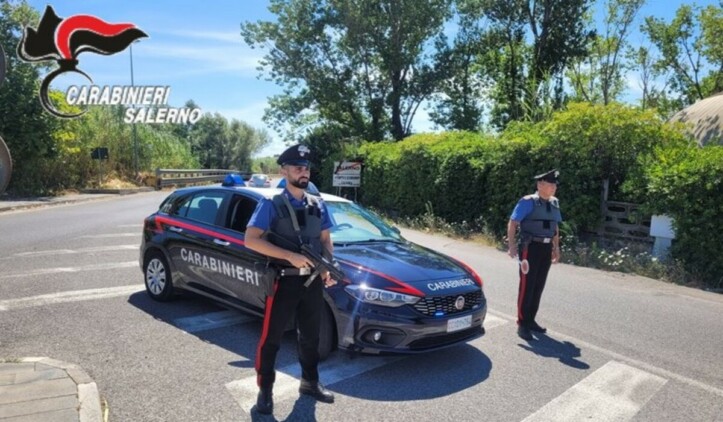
point(445, 339)
point(432, 305)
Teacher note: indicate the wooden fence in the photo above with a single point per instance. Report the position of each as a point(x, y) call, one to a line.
point(623, 219)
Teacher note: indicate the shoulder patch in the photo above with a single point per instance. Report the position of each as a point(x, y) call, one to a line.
point(313, 200)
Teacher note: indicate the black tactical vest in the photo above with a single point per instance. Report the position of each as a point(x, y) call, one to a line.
point(542, 221)
point(309, 220)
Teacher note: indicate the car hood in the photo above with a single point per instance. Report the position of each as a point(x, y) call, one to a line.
point(390, 262)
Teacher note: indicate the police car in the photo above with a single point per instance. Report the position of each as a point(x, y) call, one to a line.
point(397, 296)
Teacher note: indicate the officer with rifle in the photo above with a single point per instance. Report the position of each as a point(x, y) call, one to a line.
point(293, 228)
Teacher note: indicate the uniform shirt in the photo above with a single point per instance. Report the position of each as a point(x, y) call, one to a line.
point(266, 212)
point(524, 207)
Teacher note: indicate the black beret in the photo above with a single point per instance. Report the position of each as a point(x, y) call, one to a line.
point(299, 155)
point(550, 176)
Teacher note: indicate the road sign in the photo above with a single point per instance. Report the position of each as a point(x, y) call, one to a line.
point(100, 153)
point(347, 174)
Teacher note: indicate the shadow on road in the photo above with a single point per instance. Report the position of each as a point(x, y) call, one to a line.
point(411, 377)
point(564, 351)
point(420, 377)
point(304, 410)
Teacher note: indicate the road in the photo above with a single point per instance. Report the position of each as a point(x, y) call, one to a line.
point(619, 347)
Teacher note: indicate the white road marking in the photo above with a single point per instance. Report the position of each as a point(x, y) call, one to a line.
point(73, 251)
point(211, 320)
point(65, 297)
point(492, 321)
point(110, 235)
point(337, 368)
point(58, 270)
point(638, 363)
point(614, 392)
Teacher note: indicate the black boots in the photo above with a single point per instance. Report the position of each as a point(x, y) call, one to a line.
point(524, 332)
point(265, 401)
point(316, 390)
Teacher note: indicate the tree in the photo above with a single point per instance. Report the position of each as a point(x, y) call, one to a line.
point(533, 42)
point(459, 101)
point(691, 47)
point(27, 130)
point(643, 60)
point(361, 64)
point(598, 77)
point(219, 143)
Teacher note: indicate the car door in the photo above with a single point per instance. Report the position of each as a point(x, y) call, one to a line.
point(194, 244)
point(248, 283)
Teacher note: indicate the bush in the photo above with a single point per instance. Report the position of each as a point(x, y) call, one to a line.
point(477, 177)
point(686, 183)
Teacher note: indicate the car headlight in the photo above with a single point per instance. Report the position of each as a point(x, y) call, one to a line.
point(380, 297)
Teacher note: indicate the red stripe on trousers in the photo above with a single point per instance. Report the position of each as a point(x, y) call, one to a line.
point(265, 331)
point(523, 285)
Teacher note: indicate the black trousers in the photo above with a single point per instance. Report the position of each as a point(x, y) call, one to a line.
point(532, 283)
point(291, 298)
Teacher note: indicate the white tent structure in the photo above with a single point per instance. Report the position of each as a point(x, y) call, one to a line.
point(704, 119)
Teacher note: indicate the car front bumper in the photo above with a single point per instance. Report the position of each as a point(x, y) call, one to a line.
point(380, 330)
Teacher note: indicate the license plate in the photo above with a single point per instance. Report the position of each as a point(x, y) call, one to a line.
point(457, 324)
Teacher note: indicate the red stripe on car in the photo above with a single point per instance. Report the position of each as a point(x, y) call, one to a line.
point(403, 287)
point(177, 223)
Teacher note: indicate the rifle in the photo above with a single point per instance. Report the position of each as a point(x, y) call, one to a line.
point(322, 264)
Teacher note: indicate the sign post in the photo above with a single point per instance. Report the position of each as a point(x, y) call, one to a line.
point(347, 174)
point(100, 154)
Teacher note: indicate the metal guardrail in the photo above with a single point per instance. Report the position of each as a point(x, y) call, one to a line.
point(175, 177)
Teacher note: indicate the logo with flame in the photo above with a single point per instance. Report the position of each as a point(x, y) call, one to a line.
point(63, 40)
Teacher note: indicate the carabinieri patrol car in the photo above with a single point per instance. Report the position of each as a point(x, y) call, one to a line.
point(397, 296)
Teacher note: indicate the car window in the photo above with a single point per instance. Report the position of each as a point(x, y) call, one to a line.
point(178, 206)
point(242, 208)
point(352, 223)
point(203, 207)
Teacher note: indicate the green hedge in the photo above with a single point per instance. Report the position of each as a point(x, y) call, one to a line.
point(477, 177)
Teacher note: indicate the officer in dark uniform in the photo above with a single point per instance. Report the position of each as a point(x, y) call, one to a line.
point(277, 229)
point(538, 217)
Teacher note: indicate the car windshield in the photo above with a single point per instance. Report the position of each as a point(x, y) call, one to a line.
point(353, 224)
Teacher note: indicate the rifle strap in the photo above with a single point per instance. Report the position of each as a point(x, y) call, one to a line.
point(297, 229)
point(292, 214)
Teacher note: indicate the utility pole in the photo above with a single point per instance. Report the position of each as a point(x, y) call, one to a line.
point(135, 134)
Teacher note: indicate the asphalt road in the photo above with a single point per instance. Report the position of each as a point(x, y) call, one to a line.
point(619, 347)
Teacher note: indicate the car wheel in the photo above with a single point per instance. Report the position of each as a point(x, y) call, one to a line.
point(158, 280)
point(327, 335)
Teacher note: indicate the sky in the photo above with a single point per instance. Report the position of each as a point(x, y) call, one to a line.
point(195, 47)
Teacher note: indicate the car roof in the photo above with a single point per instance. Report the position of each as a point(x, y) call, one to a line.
point(258, 193)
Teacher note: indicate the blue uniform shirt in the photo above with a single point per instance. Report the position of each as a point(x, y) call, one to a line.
point(266, 212)
point(523, 208)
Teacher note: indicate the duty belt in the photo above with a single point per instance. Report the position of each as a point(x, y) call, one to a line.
point(286, 272)
point(541, 239)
